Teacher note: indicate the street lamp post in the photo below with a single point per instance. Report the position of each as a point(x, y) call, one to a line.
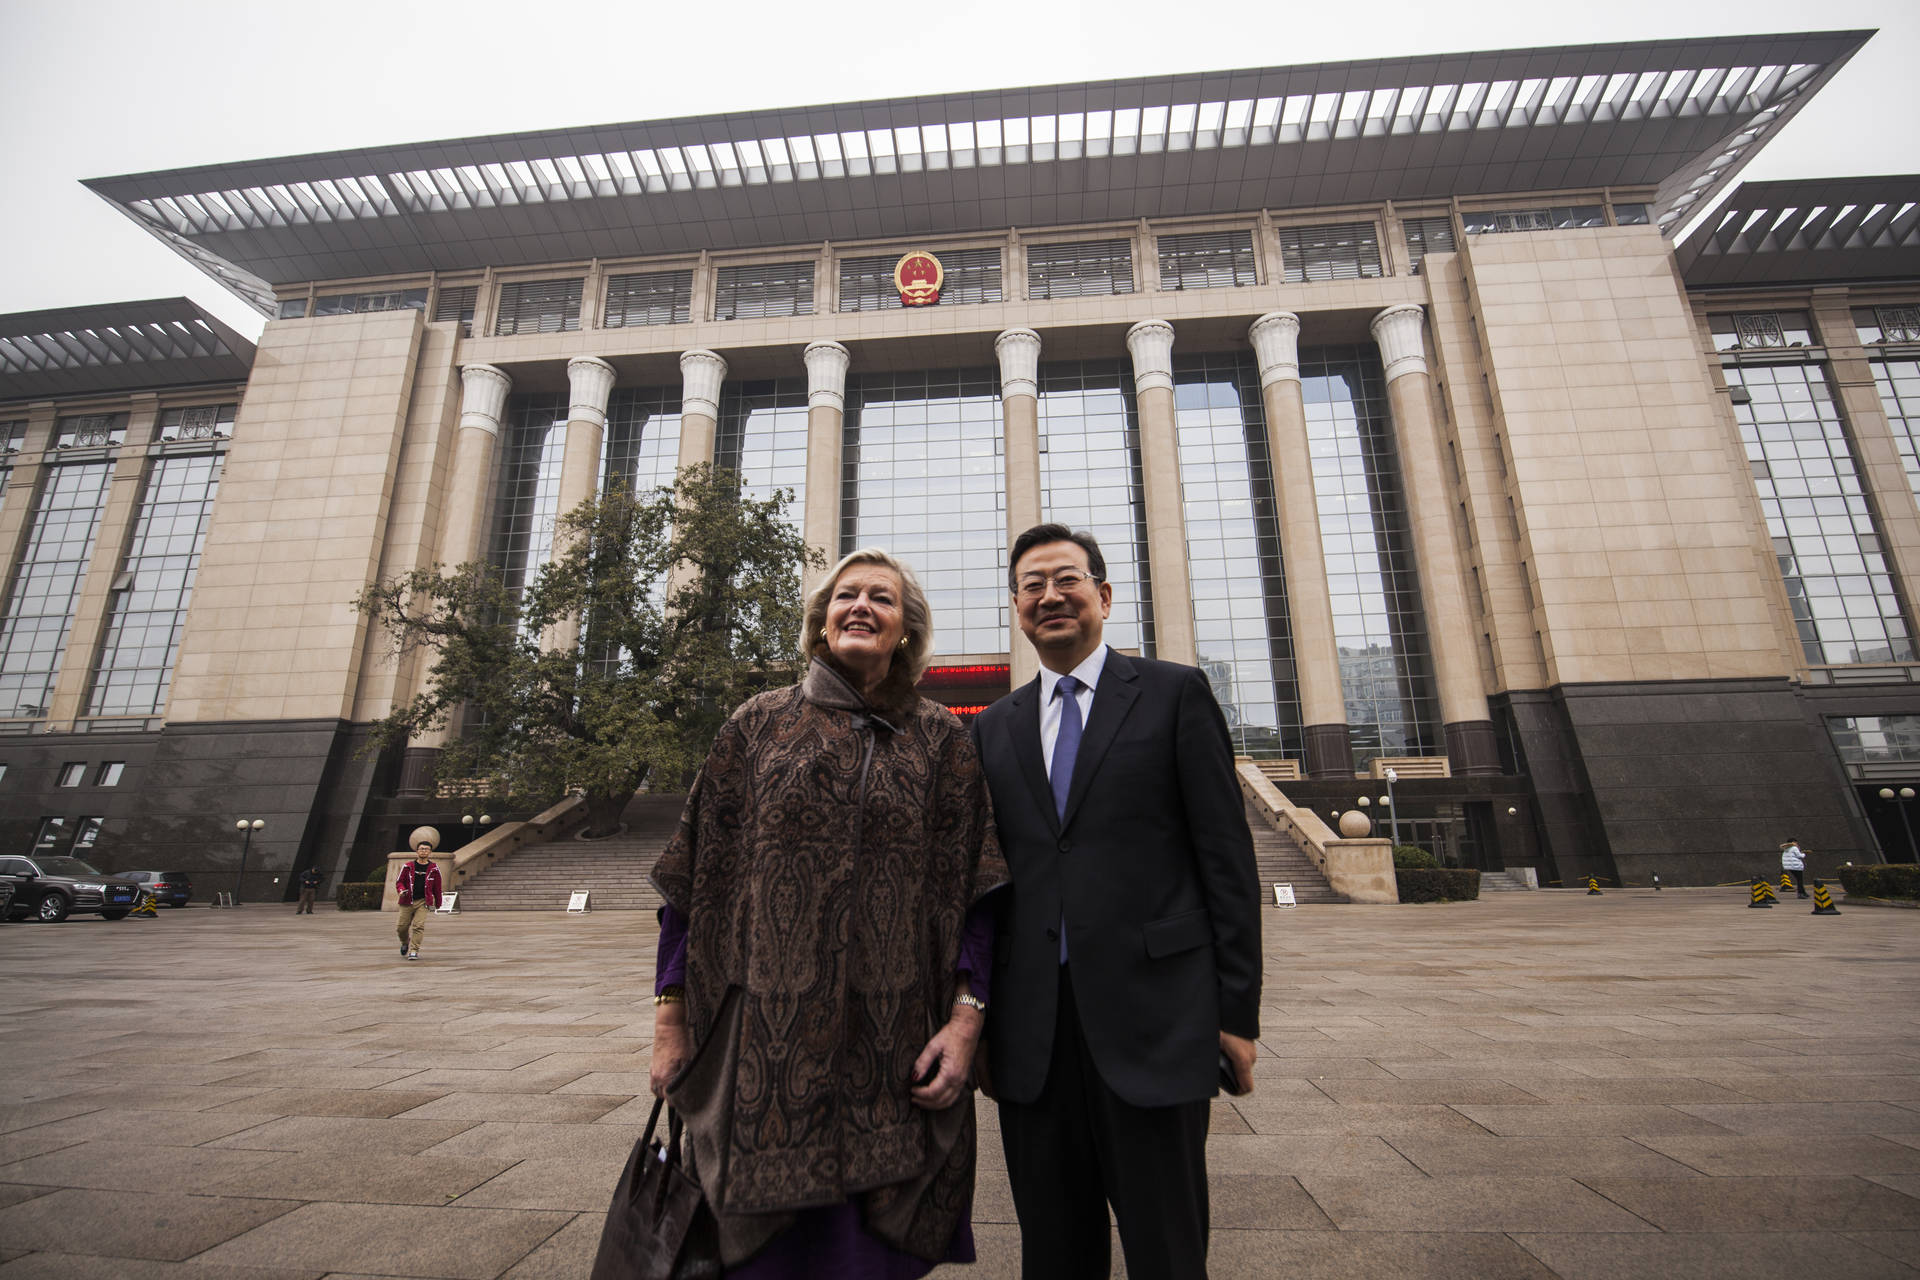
point(1900, 799)
point(246, 843)
point(1393, 810)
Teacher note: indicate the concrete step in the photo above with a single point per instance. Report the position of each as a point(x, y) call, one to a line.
point(1282, 861)
point(1502, 882)
point(615, 869)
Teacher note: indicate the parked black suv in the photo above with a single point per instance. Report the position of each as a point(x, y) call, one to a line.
point(169, 888)
point(51, 889)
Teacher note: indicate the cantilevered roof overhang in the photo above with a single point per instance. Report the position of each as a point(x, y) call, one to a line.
point(1682, 116)
point(117, 346)
point(1811, 231)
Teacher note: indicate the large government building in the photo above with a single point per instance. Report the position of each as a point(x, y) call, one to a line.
point(1393, 394)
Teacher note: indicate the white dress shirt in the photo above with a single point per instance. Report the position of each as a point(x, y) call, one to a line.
point(1088, 674)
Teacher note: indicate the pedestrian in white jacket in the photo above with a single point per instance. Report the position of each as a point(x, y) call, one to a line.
point(1794, 863)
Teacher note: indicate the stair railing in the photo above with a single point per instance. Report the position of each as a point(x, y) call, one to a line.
point(1358, 870)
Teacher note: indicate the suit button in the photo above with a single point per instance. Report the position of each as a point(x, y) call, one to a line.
point(1066, 846)
point(1053, 935)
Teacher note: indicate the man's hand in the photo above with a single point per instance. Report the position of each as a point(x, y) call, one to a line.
point(1240, 1052)
point(952, 1050)
point(670, 1047)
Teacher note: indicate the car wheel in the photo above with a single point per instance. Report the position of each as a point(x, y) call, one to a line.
point(113, 915)
point(52, 909)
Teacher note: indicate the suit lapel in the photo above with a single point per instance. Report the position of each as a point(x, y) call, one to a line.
point(1113, 698)
point(1024, 725)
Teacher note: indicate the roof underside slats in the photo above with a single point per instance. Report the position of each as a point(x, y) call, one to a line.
point(1681, 116)
point(1808, 232)
point(117, 347)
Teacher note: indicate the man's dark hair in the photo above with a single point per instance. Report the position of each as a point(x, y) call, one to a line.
point(1041, 534)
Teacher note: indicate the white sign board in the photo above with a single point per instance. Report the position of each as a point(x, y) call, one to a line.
point(1283, 895)
point(577, 901)
point(449, 904)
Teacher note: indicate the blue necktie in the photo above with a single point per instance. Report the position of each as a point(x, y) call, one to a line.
point(1066, 747)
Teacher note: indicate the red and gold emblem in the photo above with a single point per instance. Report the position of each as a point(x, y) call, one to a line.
point(918, 277)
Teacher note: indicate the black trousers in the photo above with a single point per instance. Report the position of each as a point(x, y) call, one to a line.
point(1799, 881)
point(1079, 1147)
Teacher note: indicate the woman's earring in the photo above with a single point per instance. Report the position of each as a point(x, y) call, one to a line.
point(903, 641)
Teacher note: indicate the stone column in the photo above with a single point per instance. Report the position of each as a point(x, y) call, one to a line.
point(1471, 746)
point(589, 385)
point(702, 373)
point(826, 436)
point(110, 545)
point(1316, 651)
point(463, 525)
point(1019, 353)
point(1150, 343)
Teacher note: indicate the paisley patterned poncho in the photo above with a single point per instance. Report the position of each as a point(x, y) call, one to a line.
point(826, 859)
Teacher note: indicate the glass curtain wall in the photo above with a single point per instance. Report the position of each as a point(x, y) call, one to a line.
point(924, 476)
point(1241, 630)
point(1825, 540)
point(533, 441)
point(145, 618)
point(1899, 384)
point(642, 441)
point(40, 608)
point(1386, 667)
point(762, 436)
point(1090, 479)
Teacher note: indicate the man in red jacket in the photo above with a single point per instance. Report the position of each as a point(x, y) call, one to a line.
point(419, 890)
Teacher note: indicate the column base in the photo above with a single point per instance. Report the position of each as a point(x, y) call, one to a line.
point(416, 772)
point(1329, 751)
point(1472, 749)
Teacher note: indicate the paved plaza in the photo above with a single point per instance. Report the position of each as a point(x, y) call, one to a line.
point(1539, 1084)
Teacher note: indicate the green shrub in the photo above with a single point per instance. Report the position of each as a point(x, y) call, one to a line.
point(1411, 857)
point(1437, 884)
point(361, 897)
point(1885, 880)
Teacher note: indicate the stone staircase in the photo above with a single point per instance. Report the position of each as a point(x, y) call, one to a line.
point(615, 869)
point(1282, 861)
point(1502, 882)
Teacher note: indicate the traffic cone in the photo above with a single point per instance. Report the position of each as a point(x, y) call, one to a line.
point(1593, 887)
point(1762, 894)
point(1823, 901)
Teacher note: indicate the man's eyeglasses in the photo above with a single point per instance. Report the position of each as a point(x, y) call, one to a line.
point(1066, 582)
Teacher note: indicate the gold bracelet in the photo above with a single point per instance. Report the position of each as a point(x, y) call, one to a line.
point(672, 994)
point(971, 1001)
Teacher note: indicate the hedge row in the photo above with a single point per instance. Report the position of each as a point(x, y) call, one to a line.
point(361, 897)
point(1886, 880)
point(1438, 884)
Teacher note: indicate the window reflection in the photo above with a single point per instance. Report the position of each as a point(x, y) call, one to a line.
point(47, 584)
point(1090, 479)
point(762, 437)
point(925, 478)
point(1898, 382)
point(533, 441)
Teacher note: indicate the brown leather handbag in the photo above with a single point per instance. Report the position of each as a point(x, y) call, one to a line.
point(659, 1226)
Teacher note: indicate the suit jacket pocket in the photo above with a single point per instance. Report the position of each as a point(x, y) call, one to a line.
point(1171, 935)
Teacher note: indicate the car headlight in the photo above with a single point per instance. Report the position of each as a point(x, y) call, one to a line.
point(97, 888)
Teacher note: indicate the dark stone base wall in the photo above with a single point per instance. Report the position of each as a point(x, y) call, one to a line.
point(1697, 782)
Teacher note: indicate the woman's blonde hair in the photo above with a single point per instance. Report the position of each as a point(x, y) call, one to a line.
point(915, 655)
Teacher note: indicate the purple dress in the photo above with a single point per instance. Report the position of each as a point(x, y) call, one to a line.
point(833, 1242)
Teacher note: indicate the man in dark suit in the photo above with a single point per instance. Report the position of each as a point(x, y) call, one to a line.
point(1128, 960)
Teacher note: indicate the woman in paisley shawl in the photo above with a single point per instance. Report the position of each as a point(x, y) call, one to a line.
point(825, 953)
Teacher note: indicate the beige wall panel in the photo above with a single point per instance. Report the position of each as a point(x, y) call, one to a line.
point(1607, 428)
point(238, 650)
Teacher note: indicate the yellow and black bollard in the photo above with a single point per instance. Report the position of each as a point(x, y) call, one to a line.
point(1593, 887)
point(1786, 881)
point(1762, 894)
point(146, 906)
point(1823, 901)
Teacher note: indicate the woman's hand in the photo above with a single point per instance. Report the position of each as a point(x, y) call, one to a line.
point(670, 1046)
point(952, 1049)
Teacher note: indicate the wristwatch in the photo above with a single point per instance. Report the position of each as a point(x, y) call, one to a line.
point(971, 1001)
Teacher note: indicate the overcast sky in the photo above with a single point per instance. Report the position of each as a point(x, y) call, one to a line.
point(94, 88)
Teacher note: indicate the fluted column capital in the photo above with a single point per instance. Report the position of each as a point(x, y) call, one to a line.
point(1150, 343)
point(827, 375)
point(1019, 354)
point(701, 372)
point(589, 384)
point(1276, 346)
point(483, 396)
point(1401, 332)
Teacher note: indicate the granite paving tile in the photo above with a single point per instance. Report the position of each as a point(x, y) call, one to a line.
point(68, 1266)
point(511, 1140)
point(28, 1115)
point(1707, 1255)
point(1747, 1155)
point(1538, 1119)
point(32, 1142)
point(1467, 1203)
point(122, 1166)
point(1901, 1246)
point(1906, 1183)
point(1265, 1201)
point(565, 1255)
point(1808, 1117)
point(124, 1224)
point(450, 1080)
point(364, 1177)
point(394, 1240)
point(370, 1104)
point(1301, 1154)
point(1449, 1155)
point(1643, 1091)
point(15, 1192)
point(1376, 1255)
point(1358, 1118)
point(1423, 1091)
point(343, 1133)
point(293, 1076)
point(1762, 1205)
point(549, 1108)
point(141, 1128)
point(576, 1184)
